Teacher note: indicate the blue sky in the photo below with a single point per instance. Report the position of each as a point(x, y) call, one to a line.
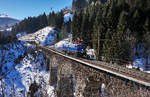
point(23, 8)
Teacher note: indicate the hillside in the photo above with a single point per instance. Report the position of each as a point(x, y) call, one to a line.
point(5, 20)
point(45, 36)
point(22, 67)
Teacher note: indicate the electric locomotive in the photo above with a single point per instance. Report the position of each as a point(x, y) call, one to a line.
point(74, 49)
point(78, 49)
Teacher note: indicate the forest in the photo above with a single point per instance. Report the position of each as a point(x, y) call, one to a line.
point(113, 28)
point(32, 24)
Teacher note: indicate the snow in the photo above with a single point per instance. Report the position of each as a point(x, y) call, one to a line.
point(21, 34)
point(140, 58)
point(7, 20)
point(3, 16)
point(91, 53)
point(6, 16)
point(67, 17)
point(31, 68)
point(139, 63)
point(13, 51)
point(129, 66)
point(45, 36)
point(9, 29)
point(60, 44)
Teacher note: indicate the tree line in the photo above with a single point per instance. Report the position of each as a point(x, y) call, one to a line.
point(32, 24)
point(114, 27)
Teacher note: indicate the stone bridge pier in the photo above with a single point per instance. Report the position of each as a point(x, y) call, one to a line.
point(73, 79)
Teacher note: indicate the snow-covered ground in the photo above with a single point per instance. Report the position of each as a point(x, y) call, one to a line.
point(21, 34)
point(23, 66)
point(45, 36)
point(140, 58)
point(8, 54)
point(67, 17)
point(29, 69)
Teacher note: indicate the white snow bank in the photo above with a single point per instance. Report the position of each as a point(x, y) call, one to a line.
point(67, 17)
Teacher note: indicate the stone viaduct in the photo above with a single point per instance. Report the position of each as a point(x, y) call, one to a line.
point(73, 78)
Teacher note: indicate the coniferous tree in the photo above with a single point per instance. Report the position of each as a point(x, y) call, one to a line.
point(107, 46)
point(63, 32)
point(118, 27)
point(85, 31)
point(119, 42)
point(97, 35)
point(43, 21)
point(74, 26)
point(59, 19)
point(51, 19)
point(79, 23)
point(147, 35)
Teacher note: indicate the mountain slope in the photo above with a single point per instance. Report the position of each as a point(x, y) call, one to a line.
point(6, 20)
point(30, 67)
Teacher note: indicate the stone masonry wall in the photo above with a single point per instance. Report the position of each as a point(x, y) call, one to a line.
point(73, 79)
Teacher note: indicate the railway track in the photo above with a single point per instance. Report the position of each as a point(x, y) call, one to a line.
point(123, 72)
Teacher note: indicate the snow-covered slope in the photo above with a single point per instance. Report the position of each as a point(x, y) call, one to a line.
point(45, 36)
point(23, 66)
point(67, 17)
point(8, 54)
